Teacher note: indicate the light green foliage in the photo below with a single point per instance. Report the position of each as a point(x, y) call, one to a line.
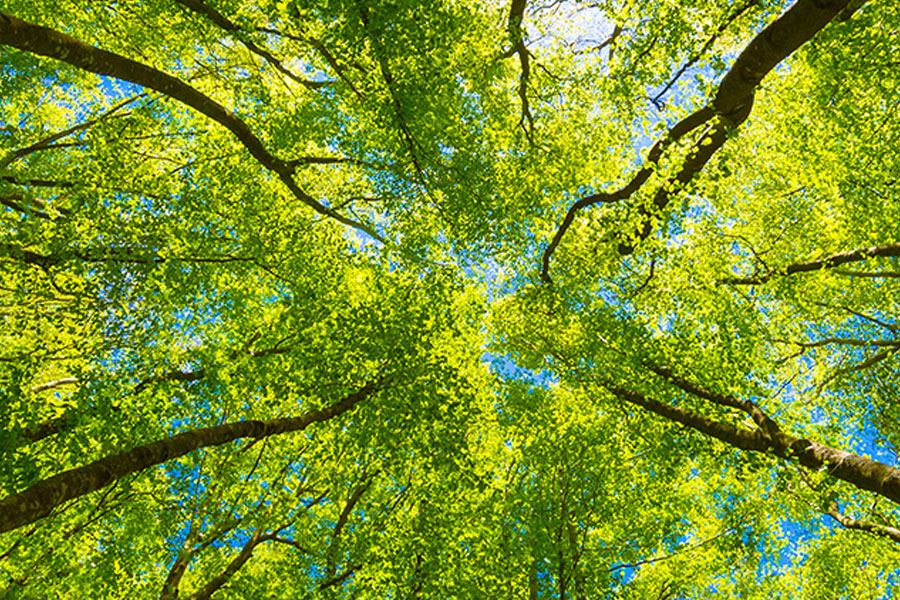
point(156, 277)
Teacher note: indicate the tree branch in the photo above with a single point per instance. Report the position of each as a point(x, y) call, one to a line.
point(517, 38)
point(231, 568)
point(342, 522)
point(679, 130)
point(835, 260)
point(53, 44)
point(222, 22)
point(712, 40)
point(48, 142)
point(388, 77)
point(732, 105)
point(891, 533)
point(862, 472)
point(39, 499)
point(54, 384)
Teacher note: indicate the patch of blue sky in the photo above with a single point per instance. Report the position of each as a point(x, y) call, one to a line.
point(506, 367)
point(115, 90)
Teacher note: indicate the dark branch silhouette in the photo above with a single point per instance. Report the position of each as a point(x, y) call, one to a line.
point(730, 107)
point(53, 44)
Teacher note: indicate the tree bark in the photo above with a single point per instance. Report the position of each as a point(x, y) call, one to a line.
point(835, 260)
point(864, 473)
point(53, 44)
point(38, 500)
point(731, 105)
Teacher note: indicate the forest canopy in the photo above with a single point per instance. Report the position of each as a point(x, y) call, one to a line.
point(387, 299)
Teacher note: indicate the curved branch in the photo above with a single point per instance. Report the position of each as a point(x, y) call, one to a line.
point(713, 139)
point(517, 37)
point(37, 501)
point(732, 104)
point(765, 423)
point(679, 130)
point(53, 44)
point(712, 40)
point(863, 473)
point(676, 552)
point(222, 22)
point(891, 533)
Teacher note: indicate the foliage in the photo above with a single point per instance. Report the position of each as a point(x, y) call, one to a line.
point(455, 299)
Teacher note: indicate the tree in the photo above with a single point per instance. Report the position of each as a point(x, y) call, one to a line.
point(435, 300)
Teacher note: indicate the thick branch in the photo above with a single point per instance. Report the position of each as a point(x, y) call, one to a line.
point(835, 260)
point(679, 130)
point(713, 139)
point(864, 473)
point(38, 500)
point(771, 46)
point(174, 576)
point(53, 44)
point(732, 104)
point(763, 421)
point(712, 40)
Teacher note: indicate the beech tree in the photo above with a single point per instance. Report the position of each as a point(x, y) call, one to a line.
point(361, 299)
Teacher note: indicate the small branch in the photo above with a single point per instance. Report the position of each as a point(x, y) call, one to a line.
point(230, 569)
point(338, 579)
point(610, 42)
point(36, 182)
point(19, 204)
point(342, 522)
point(48, 142)
point(328, 160)
point(222, 22)
point(292, 543)
point(712, 40)
point(891, 533)
point(53, 384)
point(388, 77)
point(690, 548)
